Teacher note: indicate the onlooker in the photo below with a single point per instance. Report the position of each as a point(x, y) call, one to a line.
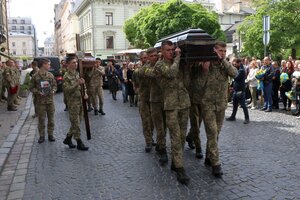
point(267, 81)
point(130, 90)
point(113, 80)
point(252, 82)
point(287, 86)
point(239, 88)
point(276, 85)
point(124, 81)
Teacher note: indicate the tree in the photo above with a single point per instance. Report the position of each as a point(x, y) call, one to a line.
point(159, 20)
point(285, 24)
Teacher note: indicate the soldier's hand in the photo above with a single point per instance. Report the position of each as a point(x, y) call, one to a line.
point(86, 97)
point(205, 65)
point(177, 51)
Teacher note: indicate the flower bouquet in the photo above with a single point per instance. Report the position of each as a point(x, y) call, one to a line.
point(260, 74)
point(284, 77)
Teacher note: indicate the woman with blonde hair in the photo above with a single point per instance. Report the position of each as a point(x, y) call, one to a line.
point(252, 81)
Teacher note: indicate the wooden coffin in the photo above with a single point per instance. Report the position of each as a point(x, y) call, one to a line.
point(88, 61)
point(195, 44)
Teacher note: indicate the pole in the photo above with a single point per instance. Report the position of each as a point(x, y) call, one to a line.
point(84, 101)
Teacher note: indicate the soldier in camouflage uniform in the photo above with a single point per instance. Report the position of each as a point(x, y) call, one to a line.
point(64, 69)
point(72, 87)
point(35, 69)
point(143, 84)
point(11, 83)
point(43, 86)
point(214, 102)
point(176, 104)
point(99, 87)
point(17, 72)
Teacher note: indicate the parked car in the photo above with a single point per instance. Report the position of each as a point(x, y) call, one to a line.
point(54, 69)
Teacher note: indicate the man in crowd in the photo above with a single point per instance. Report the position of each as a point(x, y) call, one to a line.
point(268, 84)
point(176, 104)
point(43, 86)
point(239, 91)
point(214, 102)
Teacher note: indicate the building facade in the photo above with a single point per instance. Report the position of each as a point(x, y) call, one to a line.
point(22, 37)
point(49, 47)
point(101, 24)
point(4, 48)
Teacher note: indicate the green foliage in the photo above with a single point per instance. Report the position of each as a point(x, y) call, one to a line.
point(26, 83)
point(159, 20)
point(285, 24)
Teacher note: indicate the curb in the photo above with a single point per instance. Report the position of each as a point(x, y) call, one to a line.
point(6, 147)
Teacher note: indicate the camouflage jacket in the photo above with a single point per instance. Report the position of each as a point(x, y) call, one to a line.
point(214, 85)
point(71, 87)
point(43, 83)
point(143, 83)
point(171, 79)
point(10, 77)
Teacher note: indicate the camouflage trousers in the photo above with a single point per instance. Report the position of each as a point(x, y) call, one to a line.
point(159, 121)
point(195, 120)
point(96, 97)
point(144, 108)
point(75, 113)
point(34, 103)
point(65, 99)
point(44, 110)
point(11, 98)
point(213, 121)
point(176, 121)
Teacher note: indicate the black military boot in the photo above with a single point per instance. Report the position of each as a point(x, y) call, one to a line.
point(96, 112)
point(41, 139)
point(51, 138)
point(66, 108)
point(68, 141)
point(101, 112)
point(207, 162)
point(163, 157)
point(81, 146)
point(89, 109)
point(199, 154)
point(148, 147)
point(217, 171)
point(181, 176)
point(190, 142)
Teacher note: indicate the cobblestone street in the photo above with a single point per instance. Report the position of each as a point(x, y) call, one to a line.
point(260, 160)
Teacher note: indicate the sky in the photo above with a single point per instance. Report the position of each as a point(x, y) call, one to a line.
point(41, 13)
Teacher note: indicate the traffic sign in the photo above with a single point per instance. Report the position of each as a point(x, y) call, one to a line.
point(266, 38)
point(266, 23)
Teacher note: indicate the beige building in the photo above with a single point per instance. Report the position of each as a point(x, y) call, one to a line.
point(21, 44)
point(49, 47)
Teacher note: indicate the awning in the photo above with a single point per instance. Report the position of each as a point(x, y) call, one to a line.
point(129, 51)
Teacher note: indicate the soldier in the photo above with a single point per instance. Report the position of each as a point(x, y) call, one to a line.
point(43, 87)
point(17, 74)
point(63, 71)
point(196, 87)
point(11, 84)
point(35, 69)
point(99, 88)
point(143, 85)
point(157, 106)
point(214, 102)
point(72, 87)
point(176, 104)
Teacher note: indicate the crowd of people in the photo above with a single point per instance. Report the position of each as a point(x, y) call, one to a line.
point(10, 77)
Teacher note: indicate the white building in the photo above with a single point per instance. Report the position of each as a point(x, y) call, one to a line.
point(22, 41)
point(49, 46)
point(21, 44)
point(101, 24)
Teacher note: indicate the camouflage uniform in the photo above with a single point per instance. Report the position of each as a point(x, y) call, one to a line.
point(95, 87)
point(11, 80)
point(213, 104)
point(44, 83)
point(73, 93)
point(1, 83)
point(143, 101)
point(34, 71)
point(157, 108)
point(63, 71)
point(176, 104)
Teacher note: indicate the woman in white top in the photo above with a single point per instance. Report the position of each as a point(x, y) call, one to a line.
point(252, 81)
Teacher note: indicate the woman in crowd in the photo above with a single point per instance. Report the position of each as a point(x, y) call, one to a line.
point(113, 80)
point(287, 85)
point(252, 81)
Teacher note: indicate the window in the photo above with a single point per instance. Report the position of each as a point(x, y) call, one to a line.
point(24, 52)
point(14, 53)
point(109, 42)
point(14, 21)
point(29, 32)
point(24, 44)
point(13, 44)
point(109, 18)
point(21, 27)
point(22, 21)
point(13, 28)
point(29, 27)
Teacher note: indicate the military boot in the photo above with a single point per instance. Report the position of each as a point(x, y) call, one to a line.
point(51, 138)
point(199, 154)
point(96, 111)
point(101, 112)
point(41, 139)
point(207, 162)
point(81, 146)
point(89, 109)
point(11, 108)
point(148, 147)
point(190, 142)
point(163, 157)
point(181, 176)
point(217, 171)
point(68, 141)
